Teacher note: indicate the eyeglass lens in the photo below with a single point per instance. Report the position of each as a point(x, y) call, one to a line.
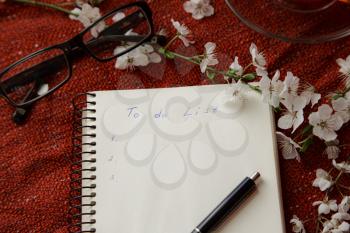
point(117, 32)
point(35, 76)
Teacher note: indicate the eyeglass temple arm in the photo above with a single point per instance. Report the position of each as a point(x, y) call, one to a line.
point(49, 65)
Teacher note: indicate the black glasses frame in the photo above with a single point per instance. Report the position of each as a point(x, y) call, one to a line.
point(76, 46)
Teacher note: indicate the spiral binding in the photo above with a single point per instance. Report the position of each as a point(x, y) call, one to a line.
point(82, 178)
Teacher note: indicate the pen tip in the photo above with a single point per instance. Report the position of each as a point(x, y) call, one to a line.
point(255, 176)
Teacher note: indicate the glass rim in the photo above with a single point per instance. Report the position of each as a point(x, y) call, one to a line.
point(341, 33)
point(146, 37)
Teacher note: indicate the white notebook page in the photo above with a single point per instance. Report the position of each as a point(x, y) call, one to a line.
point(167, 157)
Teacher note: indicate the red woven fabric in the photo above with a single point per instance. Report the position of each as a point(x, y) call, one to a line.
point(34, 165)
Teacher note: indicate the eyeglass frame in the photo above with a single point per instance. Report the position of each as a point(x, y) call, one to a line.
point(77, 43)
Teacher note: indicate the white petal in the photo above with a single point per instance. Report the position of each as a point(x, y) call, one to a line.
point(44, 88)
point(340, 104)
point(197, 14)
point(185, 41)
point(210, 47)
point(344, 227)
point(275, 100)
point(317, 203)
point(154, 57)
point(335, 122)
point(315, 98)
point(204, 65)
point(323, 209)
point(333, 205)
point(261, 72)
point(236, 66)
point(276, 76)
point(208, 11)
point(76, 11)
point(122, 62)
point(298, 120)
point(285, 122)
point(314, 119)
point(324, 133)
point(332, 152)
point(189, 7)
point(299, 103)
point(321, 173)
point(252, 49)
point(146, 48)
point(325, 112)
point(324, 184)
point(140, 60)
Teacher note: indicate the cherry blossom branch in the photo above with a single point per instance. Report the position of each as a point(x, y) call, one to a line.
point(48, 5)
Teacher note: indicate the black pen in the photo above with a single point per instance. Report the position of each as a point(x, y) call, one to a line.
point(233, 200)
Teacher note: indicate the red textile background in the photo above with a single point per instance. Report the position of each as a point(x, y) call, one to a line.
point(34, 164)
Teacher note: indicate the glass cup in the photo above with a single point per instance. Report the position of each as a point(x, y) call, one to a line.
point(306, 6)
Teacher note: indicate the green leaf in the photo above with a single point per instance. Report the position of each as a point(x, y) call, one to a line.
point(210, 75)
point(306, 144)
point(277, 109)
point(161, 50)
point(307, 129)
point(169, 55)
point(337, 96)
point(248, 77)
point(231, 73)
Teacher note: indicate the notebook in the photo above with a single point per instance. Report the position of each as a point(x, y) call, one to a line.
point(159, 160)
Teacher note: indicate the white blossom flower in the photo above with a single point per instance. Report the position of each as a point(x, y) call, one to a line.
point(298, 226)
point(341, 216)
point(323, 180)
point(235, 66)
point(294, 116)
point(288, 146)
point(344, 66)
point(342, 228)
point(271, 89)
point(337, 223)
point(87, 15)
point(182, 32)
point(258, 58)
point(325, 123)
point(199, 8)
point(291, 85)
point(325, 207)
point(335, 226)
point(311, 96)
point(332, 150)
point(209, 56)
point(341, 107)
point(131, 59)
point(344, 205)
point(235, 94)
point(342, 166)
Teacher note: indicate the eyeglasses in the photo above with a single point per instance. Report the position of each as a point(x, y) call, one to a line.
point(41, 73)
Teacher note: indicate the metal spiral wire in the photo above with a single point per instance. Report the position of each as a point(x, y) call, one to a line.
point(82, 178)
